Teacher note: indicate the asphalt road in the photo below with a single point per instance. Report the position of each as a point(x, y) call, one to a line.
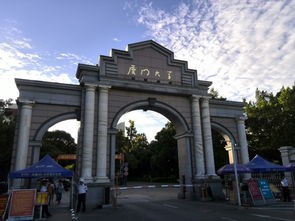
point(162, 204)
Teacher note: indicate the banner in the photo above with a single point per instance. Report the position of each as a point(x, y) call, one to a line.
point(254, 190)
point(265, 189)
point(22, 204)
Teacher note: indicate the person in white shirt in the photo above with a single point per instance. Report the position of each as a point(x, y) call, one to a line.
point(285, 189)
point(82, 190)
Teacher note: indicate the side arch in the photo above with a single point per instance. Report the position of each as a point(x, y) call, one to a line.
point(228, 137)
point(51, 121)
point(226, 133)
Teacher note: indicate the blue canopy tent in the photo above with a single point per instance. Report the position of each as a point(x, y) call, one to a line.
point(260, 165)
point(46, 167)
point(229, 169)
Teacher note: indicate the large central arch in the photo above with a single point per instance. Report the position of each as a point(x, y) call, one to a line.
point(147, 77)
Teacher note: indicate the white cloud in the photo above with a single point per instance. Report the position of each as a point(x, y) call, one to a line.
point(19, 59)
point(117, 39)
point(239, 45)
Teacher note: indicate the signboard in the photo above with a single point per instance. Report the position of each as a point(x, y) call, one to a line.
point(3, 204)
point(255, 192)
point(22, 204)
point(42, 198)
point(265, 189)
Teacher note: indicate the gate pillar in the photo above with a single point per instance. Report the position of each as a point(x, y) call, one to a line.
point(207, 135)
point(23, 134)
point(87, 153)
point(101, 169)
point(198, 140)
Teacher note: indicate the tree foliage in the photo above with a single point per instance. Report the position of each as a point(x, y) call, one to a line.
point(164, 160)
point(57, 142)
point(7, 125)
point(271, 122)
point(145, 161)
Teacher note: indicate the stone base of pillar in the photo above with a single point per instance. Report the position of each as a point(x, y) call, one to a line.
point(208, 188)
point(88, 179)
point(200, 177)
point(97, 196)
point(102, 180)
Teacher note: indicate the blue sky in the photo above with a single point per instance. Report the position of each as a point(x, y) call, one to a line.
point(239, 45)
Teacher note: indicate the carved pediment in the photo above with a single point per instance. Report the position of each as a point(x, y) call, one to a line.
point(147, 61)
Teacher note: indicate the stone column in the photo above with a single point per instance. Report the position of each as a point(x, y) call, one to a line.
point(23, 134)
point(207, 134)
point(101, 168)
point(87, 152)
point(184, 164)
point(242, 139)
point(113, 141)
point(285, 150)
point(36, 145)
point(198, 140)
point(229, 150)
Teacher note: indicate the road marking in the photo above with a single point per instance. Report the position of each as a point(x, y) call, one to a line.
point(271, 217)
point(170, 206)
point(272, 208)
point(229, 219)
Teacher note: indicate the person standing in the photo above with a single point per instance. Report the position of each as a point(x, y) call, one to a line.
point(82, 190)
point(50, 190)
point(43, 189)
point(59, 190)
point(285, 189)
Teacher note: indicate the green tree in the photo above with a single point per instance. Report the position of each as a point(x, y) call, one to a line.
point(215, 95)
point(57, 142)
point(164, 160)
point(7, 126)
point(135, 149)
point(271, 122)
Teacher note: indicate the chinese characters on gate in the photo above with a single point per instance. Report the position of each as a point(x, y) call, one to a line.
point(146, 73)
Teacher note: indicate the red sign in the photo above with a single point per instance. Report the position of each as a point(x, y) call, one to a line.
point(22, 203)
point(3, 203)
point(254, 190)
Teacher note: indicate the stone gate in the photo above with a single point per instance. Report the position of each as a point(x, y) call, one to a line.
point(145, 76)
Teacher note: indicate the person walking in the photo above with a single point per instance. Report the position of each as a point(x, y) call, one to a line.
point(285, 189)
point(82, 190)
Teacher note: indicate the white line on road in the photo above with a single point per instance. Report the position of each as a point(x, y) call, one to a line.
point(271, 217)
point(229, 219)
point(170, 206)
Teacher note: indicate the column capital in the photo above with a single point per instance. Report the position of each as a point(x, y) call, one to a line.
point(195, 96)
point(35, 143)
point(241, 118)
point(90, 86)
point(185, 134)
point(104, 87)
point(25, 102)
point(206, 97)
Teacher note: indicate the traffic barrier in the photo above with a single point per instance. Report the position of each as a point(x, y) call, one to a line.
point(152, 186)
